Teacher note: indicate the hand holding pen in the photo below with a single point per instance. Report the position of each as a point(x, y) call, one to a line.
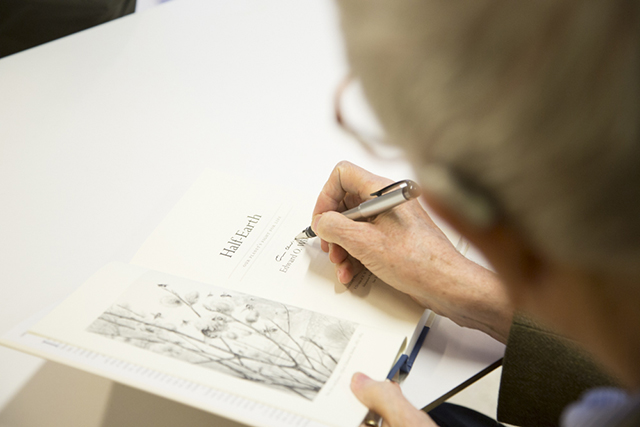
point(407, 250)
point(383, 200)
point(386, 398)
point(384, 244)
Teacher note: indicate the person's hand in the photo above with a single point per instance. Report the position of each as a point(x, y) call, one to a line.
point(406, 249)
point(403, 247)
point(385, 399)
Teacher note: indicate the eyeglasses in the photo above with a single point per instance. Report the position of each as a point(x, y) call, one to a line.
point(373, 141)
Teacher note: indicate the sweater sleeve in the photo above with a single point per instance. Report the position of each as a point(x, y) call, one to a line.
point(542, 373)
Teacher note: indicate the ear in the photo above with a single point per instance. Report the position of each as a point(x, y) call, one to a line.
point(514, 259)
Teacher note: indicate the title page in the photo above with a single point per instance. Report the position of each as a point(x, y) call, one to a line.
point(236, 234)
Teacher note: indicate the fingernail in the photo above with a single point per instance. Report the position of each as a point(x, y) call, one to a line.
point(359, 379)
point(341, 277)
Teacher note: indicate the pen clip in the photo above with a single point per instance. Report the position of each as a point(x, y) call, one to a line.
point(388, 188)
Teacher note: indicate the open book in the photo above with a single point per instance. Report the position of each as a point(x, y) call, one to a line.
point(222, 297)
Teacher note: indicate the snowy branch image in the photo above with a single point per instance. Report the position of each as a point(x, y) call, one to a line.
point(279, 346)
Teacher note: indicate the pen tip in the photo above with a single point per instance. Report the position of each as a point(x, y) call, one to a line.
point(307, 233)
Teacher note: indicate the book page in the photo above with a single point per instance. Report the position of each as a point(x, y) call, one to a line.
point(270, 352)
point(240, 235)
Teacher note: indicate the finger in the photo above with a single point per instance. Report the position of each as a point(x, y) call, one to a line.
point(352, 236)
point(337, 254)
point(324, 245)
point(346, 266)
point(385, 398)
point(347, 179)
point(348, 269)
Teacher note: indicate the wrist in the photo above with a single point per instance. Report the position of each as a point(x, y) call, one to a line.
point(472, 296)
point(486, 305)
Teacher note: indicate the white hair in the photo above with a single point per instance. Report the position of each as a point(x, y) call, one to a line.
point(536, 103)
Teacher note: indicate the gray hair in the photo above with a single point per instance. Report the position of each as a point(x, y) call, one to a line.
point(534, 102)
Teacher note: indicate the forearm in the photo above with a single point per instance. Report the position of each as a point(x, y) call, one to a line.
point(468, 294)
point(487, 307)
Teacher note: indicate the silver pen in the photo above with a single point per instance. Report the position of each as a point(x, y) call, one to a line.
point(384, 200)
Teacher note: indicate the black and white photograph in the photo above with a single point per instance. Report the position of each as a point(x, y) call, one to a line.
point(279, 346)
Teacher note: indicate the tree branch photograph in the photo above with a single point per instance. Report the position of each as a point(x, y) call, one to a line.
point(259, 340)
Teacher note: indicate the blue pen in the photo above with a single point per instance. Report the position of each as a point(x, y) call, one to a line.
point(405, 361)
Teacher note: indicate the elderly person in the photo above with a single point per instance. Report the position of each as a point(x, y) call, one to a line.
point(522, 123)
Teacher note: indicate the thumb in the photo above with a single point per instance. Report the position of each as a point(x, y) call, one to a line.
point(334, 227)
point(385, 398)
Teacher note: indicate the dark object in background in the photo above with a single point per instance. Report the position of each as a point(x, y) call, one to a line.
point(28, 23)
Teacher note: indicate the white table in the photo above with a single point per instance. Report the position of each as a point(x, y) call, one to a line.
point(101, 133)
